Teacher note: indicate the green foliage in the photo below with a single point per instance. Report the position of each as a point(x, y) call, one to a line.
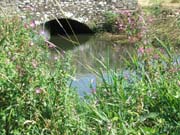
point(144, 101)
point(35, 97)
point(159, 11)
point(110, 21)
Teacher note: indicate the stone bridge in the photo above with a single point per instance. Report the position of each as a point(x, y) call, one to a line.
point(89, 12)
point(85, 11)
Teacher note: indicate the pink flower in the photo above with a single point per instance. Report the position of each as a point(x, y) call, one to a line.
point(148, 50)
point(129, 19)
point(32, 24)
point(38, 90)
point(156, 56)
point(141, 50)
point(141, 19)
point(150, 19)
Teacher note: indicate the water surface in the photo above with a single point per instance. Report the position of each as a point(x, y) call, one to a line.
point(92, 53)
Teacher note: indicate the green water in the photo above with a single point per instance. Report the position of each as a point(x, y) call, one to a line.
point(92, 51)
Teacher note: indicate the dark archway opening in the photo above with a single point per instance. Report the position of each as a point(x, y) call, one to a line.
point(67, 34)
point(66, 26)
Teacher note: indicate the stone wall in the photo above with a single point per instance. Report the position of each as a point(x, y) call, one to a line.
point(82, 10)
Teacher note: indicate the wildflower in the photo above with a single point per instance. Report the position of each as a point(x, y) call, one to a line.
point(148, 50)
point(140, 19)
point(156, 56)
point(26, 26)
point(121, 27)
point(150, 19)
point(44, 34)
point(141, 50)
point(32, 24)
point(38, 90)
point(129, 19)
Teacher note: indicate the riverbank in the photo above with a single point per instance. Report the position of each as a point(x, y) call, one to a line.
point(36, 100)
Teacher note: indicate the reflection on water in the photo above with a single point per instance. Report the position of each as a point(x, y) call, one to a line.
point(90, 52)
point(85, 84)
point(69, 42)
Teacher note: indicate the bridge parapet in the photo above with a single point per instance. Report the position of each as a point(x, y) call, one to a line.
point(85, 11)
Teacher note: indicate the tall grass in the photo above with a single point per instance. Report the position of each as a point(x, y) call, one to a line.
point(35, 97)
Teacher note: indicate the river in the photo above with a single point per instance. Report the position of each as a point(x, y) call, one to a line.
point(92, 53)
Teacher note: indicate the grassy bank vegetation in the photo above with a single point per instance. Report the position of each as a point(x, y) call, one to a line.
point(34, 99)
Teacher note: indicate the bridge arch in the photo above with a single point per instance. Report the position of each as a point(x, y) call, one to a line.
point(64, 26)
